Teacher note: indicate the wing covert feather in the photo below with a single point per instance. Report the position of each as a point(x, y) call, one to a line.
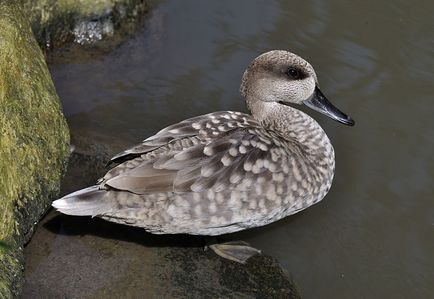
point(206, 126)
point(235, 160)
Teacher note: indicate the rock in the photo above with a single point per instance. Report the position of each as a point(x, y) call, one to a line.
point(83, 257)
point(198, 274)
point(33, 141)
point(56, 22)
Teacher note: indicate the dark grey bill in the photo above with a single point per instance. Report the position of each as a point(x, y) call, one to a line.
point(320, 103)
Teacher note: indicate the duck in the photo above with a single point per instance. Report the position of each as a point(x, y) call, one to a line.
point(225, 171)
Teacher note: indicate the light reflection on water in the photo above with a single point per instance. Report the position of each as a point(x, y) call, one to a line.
point(373, 235)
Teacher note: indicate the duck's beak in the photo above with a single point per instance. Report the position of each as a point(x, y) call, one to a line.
point(320, 103)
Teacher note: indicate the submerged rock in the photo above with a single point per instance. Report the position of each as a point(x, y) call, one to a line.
point(33, 141)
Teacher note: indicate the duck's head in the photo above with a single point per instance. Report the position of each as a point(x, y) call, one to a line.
point(282, 77)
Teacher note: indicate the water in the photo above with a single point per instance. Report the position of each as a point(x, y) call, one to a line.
point(373, 235)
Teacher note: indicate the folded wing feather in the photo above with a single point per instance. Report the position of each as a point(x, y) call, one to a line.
point(195, 159)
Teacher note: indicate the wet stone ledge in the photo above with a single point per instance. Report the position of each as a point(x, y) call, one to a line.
point(106, 260)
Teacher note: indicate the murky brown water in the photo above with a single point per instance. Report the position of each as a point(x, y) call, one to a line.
point(373, 235)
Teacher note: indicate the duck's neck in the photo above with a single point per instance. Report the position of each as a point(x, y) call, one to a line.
point(296, 127)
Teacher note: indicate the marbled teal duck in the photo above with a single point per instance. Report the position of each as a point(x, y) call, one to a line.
point(225, 171)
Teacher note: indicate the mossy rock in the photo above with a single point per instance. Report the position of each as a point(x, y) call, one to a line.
point(57, 22)
point(34, 141)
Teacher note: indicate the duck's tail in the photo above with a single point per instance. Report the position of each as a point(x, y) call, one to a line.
point(85, 202)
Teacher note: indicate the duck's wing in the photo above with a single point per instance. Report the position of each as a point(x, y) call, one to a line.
point(206, 126)
point(207, 152)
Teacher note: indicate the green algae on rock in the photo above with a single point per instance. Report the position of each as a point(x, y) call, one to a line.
point(33, 141)
point(56, 22)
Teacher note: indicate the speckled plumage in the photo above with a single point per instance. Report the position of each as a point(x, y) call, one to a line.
point(224, 171)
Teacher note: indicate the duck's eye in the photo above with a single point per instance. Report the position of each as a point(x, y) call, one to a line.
point(293, 73)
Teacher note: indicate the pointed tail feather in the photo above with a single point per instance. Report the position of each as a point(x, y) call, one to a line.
point(85, 202)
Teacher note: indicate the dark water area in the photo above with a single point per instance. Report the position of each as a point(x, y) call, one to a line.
point(373, 234)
